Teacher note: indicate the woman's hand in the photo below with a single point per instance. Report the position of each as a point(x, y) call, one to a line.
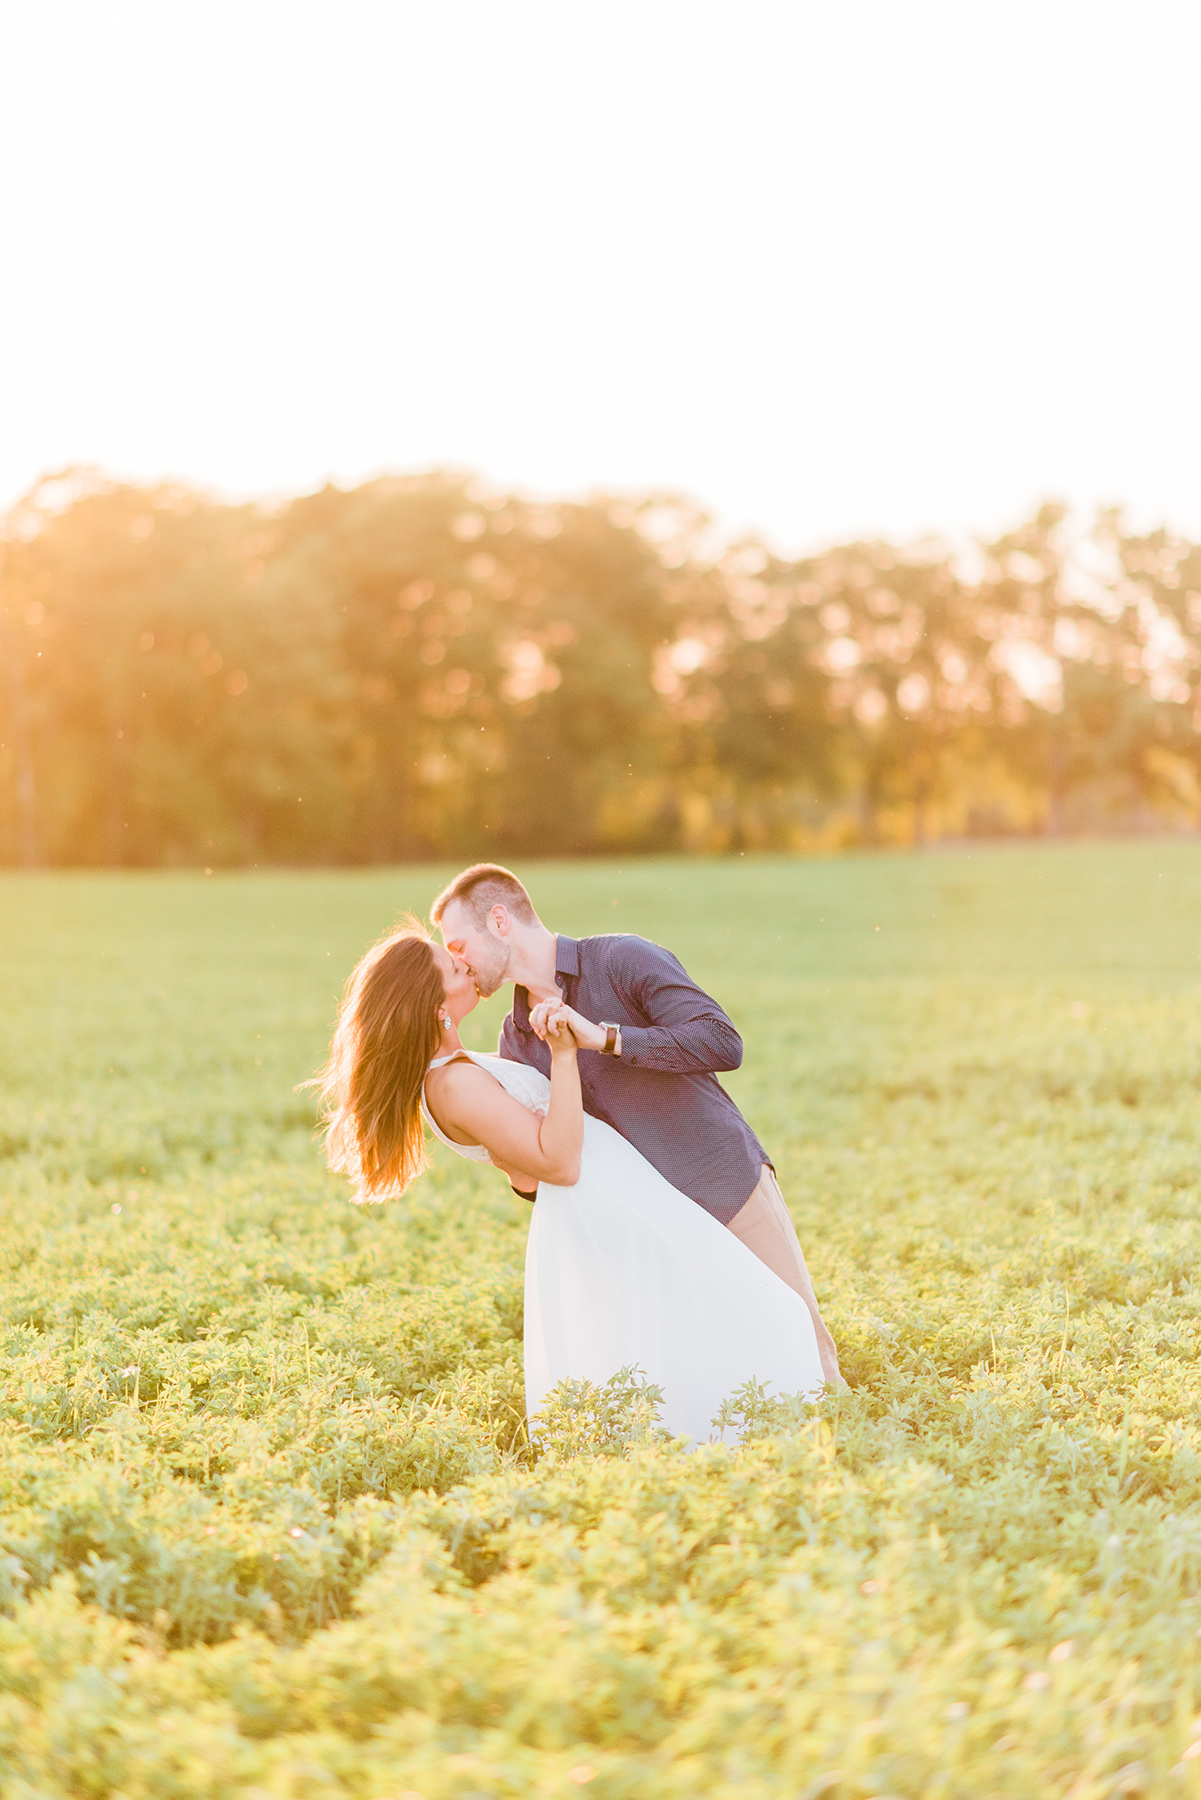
point(552, 1021)
point(585, 1035)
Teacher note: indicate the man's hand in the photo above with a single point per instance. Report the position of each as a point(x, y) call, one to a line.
point(587, 1035)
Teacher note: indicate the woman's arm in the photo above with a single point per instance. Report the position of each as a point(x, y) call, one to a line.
point(471, 1106)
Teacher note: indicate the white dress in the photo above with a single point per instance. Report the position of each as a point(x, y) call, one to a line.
point(623, 1269)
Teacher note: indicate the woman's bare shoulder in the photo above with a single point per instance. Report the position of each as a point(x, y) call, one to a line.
point(457, 1094)
point(459, 1077)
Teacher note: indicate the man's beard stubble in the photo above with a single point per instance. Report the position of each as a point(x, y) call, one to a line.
point(490, 976)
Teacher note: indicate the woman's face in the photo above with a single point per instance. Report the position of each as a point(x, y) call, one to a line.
point(457, 984)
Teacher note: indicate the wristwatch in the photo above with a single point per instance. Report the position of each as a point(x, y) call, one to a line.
point(612, 1043)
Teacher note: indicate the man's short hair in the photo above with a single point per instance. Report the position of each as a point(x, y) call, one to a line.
point(482, 887)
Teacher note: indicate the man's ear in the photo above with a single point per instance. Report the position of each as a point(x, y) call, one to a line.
point(499, 919)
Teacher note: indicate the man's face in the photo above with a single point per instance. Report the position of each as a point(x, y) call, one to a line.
point(484, 948)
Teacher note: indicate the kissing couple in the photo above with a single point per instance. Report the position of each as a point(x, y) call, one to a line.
point(659, 1237)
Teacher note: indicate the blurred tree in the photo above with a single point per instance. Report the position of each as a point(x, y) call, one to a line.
point(1163, 573)
point(1080, 644)
point(909, 667)
point(745, 685)
point(16, 756)
point(418, 666)
point(592, 603)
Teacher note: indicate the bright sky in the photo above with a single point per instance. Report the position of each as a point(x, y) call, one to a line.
point(857, 266)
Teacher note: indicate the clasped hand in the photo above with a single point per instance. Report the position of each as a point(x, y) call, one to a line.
point(559, 1025)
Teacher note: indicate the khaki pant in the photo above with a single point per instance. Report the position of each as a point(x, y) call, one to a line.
point(765, 1226)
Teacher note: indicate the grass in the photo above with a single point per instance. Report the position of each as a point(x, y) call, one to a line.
point(268, 1521)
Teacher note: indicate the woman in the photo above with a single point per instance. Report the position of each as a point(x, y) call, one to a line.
point(621, 1269)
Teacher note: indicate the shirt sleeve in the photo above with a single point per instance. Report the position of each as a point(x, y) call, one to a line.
point(516, 1045)
point(508, 1044)
point(689, 1034)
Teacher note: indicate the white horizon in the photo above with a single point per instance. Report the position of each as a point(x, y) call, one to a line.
point(834, 273)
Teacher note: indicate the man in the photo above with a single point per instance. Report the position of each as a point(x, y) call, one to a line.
point(659, 1044)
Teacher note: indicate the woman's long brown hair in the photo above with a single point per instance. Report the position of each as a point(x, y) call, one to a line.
point(386, 1035)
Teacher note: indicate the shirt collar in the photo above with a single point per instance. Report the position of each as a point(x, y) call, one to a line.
point(567, 962)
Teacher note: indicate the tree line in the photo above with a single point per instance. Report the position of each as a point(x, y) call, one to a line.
point(420, 667)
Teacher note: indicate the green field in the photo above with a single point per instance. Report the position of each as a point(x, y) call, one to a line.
point(269, 1523)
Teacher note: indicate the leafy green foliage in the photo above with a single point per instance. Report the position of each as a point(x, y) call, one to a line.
point(270, 1521)
point(582, 1418)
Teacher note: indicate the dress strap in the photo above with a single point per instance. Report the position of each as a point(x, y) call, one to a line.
point(473, 1152)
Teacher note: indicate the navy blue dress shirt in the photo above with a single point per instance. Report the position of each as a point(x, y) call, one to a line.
point(662, 1092)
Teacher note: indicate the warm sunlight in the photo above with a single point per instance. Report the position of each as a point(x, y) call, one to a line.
point(600, 900)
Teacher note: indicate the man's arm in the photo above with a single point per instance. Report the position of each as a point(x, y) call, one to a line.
point(689, 1034)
